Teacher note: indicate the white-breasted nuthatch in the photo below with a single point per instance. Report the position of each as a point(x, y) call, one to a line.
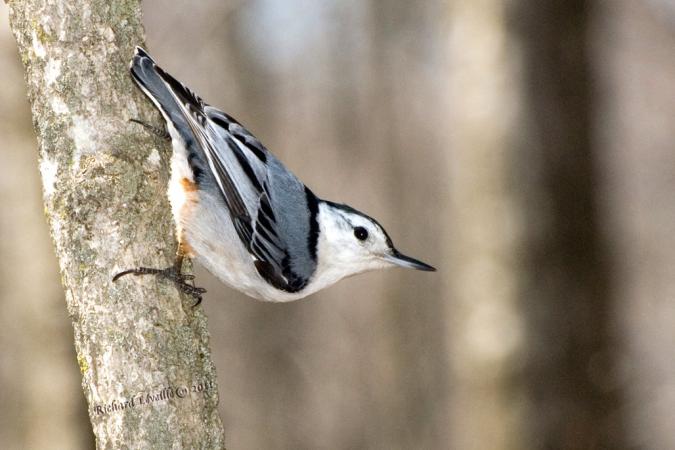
point(246, 217)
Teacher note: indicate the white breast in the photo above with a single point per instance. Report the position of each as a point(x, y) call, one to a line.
point(204, 227)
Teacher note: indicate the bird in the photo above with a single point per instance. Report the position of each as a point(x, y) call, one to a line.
point(243, 215)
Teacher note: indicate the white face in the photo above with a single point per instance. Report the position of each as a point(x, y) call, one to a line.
point(358, 242)
point(352, 243)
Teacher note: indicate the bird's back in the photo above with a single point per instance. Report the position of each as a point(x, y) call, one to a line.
point(272, 213)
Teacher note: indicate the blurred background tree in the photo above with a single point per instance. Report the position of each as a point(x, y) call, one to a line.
point(524, 148)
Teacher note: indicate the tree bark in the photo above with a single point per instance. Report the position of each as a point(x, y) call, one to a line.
point(142, 350)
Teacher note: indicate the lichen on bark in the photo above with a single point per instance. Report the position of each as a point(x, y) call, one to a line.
point(104, 183)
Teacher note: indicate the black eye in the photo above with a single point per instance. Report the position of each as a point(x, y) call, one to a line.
point(361, 233)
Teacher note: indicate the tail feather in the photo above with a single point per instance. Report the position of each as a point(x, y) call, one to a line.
point(165, 91)
point(158, 86)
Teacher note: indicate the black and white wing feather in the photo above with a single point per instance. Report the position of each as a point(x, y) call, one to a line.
point(273, 213)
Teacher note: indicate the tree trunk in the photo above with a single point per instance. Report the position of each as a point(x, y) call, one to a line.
point(143, 352)
point(485, 216)
point(571, 371)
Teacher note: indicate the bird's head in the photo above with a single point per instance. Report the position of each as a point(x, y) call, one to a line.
point(352, 242)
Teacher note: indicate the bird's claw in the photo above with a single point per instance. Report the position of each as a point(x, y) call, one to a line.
point(162, 134)
point(173, 274)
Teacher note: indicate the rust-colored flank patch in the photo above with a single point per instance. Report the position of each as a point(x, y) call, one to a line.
point(188, 185)
point(185, 249)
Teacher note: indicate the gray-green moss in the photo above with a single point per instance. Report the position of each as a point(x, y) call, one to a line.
point(106, 205)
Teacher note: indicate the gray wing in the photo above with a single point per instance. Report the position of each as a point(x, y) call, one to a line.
point(273, 212)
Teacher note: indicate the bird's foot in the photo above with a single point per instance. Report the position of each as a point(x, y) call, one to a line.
point(184, 282)
point(159, 132)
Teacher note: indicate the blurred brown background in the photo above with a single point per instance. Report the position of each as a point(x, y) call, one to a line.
point(525, 148)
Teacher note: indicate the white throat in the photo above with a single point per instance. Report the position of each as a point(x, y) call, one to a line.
point(335, 259)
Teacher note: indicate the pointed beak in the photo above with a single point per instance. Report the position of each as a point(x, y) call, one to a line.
point(399, 259)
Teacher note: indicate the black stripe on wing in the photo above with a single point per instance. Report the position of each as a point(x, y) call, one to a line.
point(245, 165)
point(238, 132)
point(261, 238)
point(180, 90)
point(196, 121)
point(253, 145)
point(267, 246)
point(229, 190)
point(272, 260)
